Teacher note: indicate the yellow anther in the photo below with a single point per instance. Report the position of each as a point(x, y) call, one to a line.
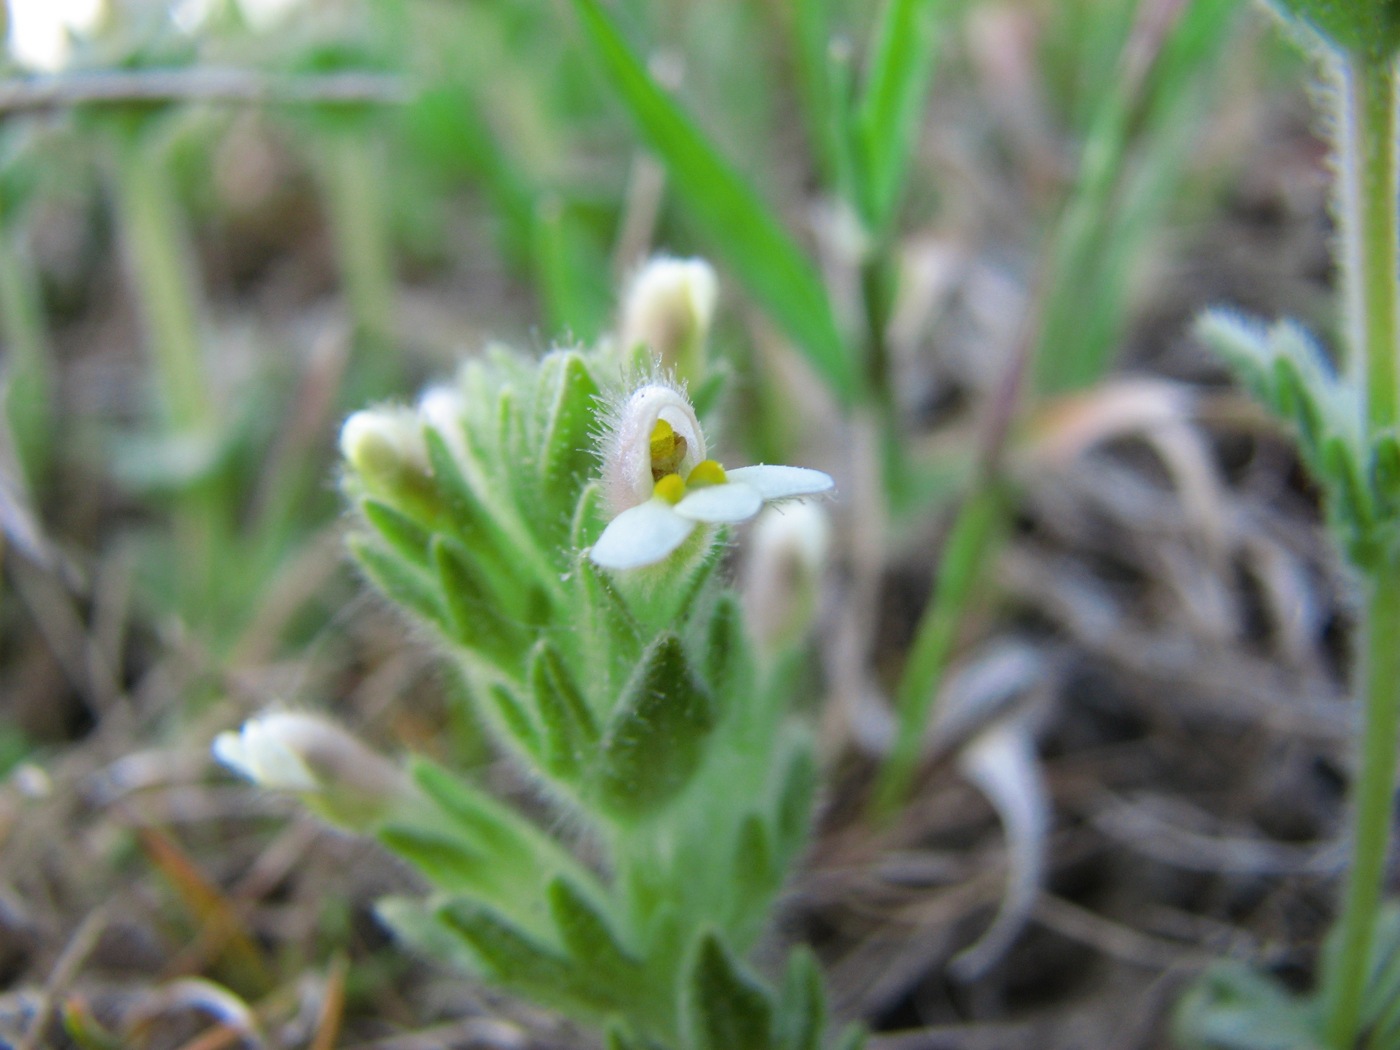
point(667, 450)
point(670, 488)
point(706, 472)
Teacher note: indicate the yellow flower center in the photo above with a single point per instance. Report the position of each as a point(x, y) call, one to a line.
point(667, 450)
point(707, 472)
point(670, 488)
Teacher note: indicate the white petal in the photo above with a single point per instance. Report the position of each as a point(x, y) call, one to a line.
point(641, 535)
point(718, 504)
point(259, 753)
point(229, 749)
point(782, 482)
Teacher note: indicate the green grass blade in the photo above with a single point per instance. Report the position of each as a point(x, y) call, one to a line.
point(892, 106)
point(726, 209)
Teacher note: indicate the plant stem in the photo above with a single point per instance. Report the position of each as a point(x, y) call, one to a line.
point(1371, 811)
point(162, 270)
point(352, 183)
point(1369, 166)
point(28, 367)
point(1371, 271)
point(969, 547)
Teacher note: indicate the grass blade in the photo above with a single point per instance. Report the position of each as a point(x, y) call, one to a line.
point(743, 231)
point(892, 106)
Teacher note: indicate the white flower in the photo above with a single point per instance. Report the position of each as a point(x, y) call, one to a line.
point(783, 573)
point(662, 487)
point(266, 751)
point(668, 309)
point(290, 751)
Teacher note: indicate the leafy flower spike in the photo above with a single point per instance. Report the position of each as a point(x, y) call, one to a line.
point(661, 485)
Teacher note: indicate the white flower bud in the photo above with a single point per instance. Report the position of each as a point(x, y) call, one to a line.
point(384, 445)
point(315, 758)
point(791, 546)
point(668, 308)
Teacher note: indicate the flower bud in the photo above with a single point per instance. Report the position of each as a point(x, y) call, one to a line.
point(313, 757)
point(667, 309)
point(384, 446)
point(791, 546)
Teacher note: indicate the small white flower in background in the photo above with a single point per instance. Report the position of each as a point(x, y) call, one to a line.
point(668, 309)
point(788, 555)
point(661, 486)
point(312, 756)
point(384, 444)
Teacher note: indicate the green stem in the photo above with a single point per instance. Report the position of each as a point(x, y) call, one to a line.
point(352, 183)
point(163, 271)
point(969, 547)
point(1369, 232)
point(1369, 227)
point(1371, 812)
point(28, 365)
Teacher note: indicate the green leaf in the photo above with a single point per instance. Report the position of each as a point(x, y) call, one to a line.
point(589, 517)
point(398, 530)
point(505, 836)
point(400, 581)
point(754, 873)
point(571, 272)
point(517, 721)
point(890, 113)
point(511, 956)
point(802, 1012)
point(512, 446)
point(471, 519)
point(417, 924)
point(445, 860)
point(729, 1009)
point(1347, 483)
point(570, 732)
point(518, 960)
point(809, 48)
point(566, 395)
point(724, 649)
point(1230, 1007)
point(852, 1038)
point(588, 936)
point(725, 208)
point(1381, 1007)
point(1244, 344)
point(1367, 28)
point(612, 637)
point(656, 738)
point(474, 610)
point(1385, 469)
point(799, 787)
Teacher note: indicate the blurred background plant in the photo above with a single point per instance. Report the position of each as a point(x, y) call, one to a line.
point(947, 226)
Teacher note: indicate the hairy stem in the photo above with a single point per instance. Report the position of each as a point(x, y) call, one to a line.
point(1369, 166)
point(1368, 224)
point(1371, 810)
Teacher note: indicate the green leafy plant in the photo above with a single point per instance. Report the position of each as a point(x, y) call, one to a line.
point(1346, 425)
point(560, 530)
